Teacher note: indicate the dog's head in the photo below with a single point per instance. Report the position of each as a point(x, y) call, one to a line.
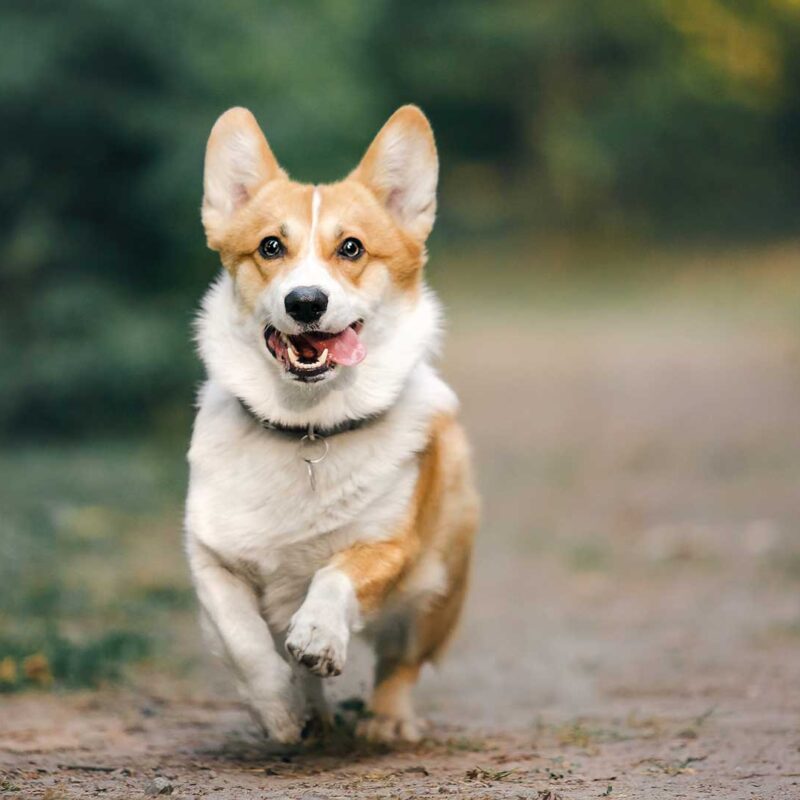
point(321, 270)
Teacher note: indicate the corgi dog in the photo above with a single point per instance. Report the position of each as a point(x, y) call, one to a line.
point(330, 487)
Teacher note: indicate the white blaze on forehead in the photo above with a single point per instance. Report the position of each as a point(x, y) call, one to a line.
point(311, 270)
point(316, 202)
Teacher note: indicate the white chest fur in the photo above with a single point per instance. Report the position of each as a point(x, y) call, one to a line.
point(250, 500)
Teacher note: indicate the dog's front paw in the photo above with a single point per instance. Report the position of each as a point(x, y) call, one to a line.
point(281, 722)
point(317, 642)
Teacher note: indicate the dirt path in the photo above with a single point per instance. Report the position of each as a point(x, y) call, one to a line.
point(634, 625)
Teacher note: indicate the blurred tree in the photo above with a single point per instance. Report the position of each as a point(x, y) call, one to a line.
point(662, 117)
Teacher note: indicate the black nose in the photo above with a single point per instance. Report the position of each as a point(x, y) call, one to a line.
point(306, 303)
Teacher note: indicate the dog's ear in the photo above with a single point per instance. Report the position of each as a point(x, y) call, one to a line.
point(238, 163)
point(401, 168)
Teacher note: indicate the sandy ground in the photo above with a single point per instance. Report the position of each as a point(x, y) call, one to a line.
point(634, 624)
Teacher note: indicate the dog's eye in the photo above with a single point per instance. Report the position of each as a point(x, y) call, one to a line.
point(351, 248)
point(271, 247)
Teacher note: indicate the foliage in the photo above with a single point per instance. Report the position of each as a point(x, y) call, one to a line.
point(649, 118)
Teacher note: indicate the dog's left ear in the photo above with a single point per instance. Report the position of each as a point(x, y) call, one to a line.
point(401, 168)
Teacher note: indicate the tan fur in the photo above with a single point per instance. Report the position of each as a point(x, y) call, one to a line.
point(441, 522)
point(393, 693)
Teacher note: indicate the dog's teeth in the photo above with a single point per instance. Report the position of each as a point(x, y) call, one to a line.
point(296, 363)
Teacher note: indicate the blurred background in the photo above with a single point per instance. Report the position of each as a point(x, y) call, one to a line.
point(618, 248)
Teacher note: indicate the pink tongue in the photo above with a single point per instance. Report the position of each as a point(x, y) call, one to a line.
point(345, 348)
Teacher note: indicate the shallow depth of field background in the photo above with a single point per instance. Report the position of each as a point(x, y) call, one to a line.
point(618, 249)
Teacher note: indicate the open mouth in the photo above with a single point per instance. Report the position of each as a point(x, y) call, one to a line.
point(309, 356)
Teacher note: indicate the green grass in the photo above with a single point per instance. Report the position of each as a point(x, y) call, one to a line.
point(90, 561)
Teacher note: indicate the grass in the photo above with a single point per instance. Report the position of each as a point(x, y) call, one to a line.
point(89, 561)
point(41, 661)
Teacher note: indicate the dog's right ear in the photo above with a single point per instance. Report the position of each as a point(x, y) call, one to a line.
point(238, 163)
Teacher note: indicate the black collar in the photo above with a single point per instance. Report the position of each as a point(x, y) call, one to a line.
point(309, 430)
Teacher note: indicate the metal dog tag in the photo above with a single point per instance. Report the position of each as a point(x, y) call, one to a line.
point(313, 450)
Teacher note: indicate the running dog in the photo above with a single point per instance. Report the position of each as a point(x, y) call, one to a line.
point(330, 485)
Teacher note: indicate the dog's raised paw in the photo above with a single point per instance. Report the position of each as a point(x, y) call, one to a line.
point(317, 646)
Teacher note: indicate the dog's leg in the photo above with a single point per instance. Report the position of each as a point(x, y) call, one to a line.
point(231, 609)
point(319, 631)
point(353, 584)
point(391, 708)
point(401, 649)
point(320, 719)
point(341, 595)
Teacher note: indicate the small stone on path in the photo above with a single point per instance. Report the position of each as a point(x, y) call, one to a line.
point(158, 786)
